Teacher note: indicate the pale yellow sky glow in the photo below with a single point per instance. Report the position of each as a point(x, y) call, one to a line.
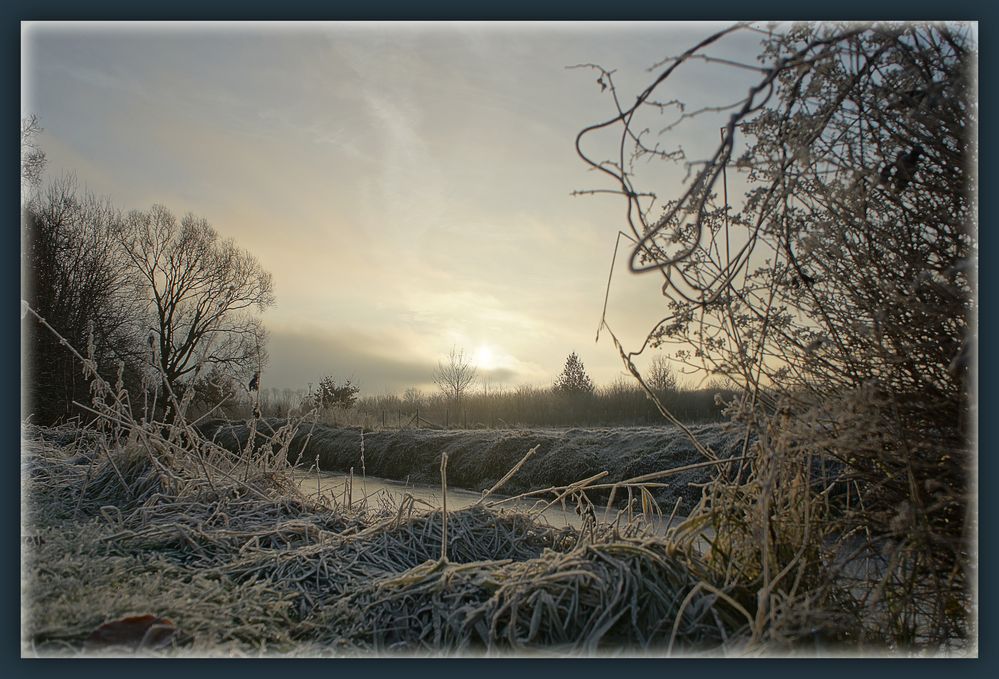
point(408, 186)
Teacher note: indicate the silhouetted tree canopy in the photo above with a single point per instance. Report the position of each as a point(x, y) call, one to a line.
point(152, 301)
point(202, 294)
point(660, 376)
point(32, 157)
point(77, 278)
point(454, 376)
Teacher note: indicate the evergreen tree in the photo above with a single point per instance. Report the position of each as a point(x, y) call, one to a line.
point(573, 378)
point(333, 395)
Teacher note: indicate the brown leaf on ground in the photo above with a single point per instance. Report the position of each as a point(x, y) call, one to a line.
point(134, 631)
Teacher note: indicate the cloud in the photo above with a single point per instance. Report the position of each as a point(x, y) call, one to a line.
point(377, 363)
point(300, 357)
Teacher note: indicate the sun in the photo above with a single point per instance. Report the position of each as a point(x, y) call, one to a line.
point(484, 358)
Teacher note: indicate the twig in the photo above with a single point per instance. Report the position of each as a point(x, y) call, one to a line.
point(499, 484)
point(444, 507)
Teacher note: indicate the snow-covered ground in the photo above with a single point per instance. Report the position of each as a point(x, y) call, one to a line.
point(479, 458)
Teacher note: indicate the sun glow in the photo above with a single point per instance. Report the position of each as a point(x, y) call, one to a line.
point(484, 358)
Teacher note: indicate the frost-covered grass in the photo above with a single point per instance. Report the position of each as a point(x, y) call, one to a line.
point(254, 568)
point(479, 458)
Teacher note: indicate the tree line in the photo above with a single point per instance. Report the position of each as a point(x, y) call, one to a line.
point(572, 400)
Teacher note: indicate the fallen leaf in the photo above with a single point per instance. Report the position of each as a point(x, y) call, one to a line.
point(134, 631)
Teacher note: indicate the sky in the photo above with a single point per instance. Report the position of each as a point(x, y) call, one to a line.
point(409, 186)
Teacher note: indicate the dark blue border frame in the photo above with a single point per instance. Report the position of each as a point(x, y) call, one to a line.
point(18, 10)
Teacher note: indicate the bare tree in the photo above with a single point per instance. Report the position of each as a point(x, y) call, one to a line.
point(32, 157)
point(454, 377)
point(202, 292)
point(413, 398)
point(75, 276)
point(660, 375)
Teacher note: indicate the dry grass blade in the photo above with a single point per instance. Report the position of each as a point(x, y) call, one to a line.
point(506, 477)
point(444, 507)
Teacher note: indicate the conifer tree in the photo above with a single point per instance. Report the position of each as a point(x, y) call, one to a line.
point(573, 378)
